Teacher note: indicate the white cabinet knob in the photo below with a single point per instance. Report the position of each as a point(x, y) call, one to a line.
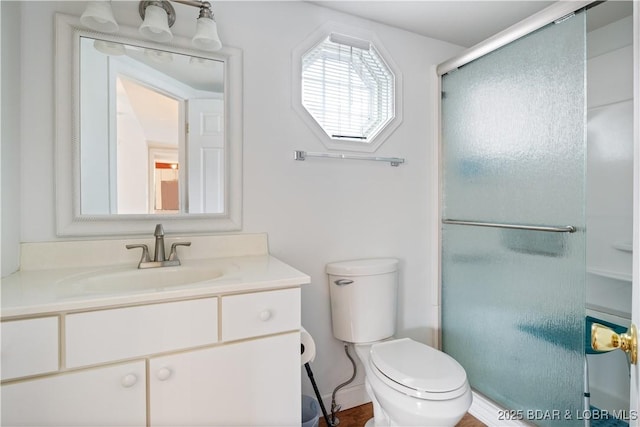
point(265, 315)
point(129, 380)
point(163, 374)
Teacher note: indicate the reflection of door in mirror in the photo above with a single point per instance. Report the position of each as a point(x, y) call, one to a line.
point(205, 141)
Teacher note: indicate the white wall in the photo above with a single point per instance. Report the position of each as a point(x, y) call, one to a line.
point(11, 107)
point(610, 154)
point(316, 211)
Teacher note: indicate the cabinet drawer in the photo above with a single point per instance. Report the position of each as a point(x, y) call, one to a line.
point(261, 313)
point(106, 335)
point(29, 347)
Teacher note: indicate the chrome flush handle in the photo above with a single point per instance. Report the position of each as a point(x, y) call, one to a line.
point(343, 282)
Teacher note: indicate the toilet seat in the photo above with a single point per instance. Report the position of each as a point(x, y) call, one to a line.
point(418, 370)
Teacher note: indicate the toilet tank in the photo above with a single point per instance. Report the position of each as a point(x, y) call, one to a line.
point(363, 299)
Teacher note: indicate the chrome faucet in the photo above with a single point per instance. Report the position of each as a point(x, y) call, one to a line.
point(159, 234)
point(159, 259)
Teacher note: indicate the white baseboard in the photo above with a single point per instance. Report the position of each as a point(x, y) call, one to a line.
point(491, 414)
point(348, 397)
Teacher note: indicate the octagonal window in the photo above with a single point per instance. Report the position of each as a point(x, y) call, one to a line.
point(348, 88)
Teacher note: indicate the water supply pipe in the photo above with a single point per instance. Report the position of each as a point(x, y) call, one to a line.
point(334, 407)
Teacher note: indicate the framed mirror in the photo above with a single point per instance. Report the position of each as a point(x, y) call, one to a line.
point(145, 133)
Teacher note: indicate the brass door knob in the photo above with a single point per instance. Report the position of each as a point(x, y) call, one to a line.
point(605, 339)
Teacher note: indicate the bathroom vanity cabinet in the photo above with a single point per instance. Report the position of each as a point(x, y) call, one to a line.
point(218, 358)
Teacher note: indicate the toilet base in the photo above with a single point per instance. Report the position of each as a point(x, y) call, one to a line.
point(394, 409)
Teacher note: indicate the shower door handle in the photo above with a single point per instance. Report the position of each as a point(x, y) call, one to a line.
point(605, 339)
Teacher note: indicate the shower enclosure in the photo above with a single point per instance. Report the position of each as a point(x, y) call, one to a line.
point(514, 226)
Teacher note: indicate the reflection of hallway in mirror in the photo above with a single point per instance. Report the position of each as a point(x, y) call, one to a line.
point(167, 196)
point(148, 123)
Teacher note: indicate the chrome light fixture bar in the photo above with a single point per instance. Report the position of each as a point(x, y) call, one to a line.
point(158, 17)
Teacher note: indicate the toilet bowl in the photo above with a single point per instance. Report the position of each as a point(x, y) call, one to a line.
point(410, 383)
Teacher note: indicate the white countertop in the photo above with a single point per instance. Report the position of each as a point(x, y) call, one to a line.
point(38, 292)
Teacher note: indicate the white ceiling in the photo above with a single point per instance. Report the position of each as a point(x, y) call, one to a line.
point(464, 23)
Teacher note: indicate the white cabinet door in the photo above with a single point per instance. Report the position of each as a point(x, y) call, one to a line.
point(253, 383)
point(111, 396)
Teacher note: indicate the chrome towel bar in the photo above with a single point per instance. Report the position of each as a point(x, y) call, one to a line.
point(302, 155)
point(561, 229)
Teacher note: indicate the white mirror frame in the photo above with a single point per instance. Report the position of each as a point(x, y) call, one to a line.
point(69, 220)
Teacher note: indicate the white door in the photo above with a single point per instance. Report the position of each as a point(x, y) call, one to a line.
point(634, 409)
point(635, 291)
point(205, 153)
point(251, 383)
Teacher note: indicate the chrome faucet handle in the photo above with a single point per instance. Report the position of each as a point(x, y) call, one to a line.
point(173, 255)
point(145, 253)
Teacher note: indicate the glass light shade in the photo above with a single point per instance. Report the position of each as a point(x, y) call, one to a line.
point(99, 16)
point(109, 48)
point(206, 37)
point(156, 24)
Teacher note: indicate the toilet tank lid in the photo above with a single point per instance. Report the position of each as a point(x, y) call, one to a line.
point(363, 267)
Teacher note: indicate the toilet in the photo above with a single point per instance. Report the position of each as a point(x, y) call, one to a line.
point(409, 383)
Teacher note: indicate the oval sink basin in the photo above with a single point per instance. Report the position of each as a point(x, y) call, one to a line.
point(128, 280)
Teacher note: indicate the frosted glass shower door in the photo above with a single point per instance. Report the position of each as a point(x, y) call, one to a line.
point(513, 309)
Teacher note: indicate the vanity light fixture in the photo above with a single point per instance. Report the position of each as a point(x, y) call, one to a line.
point(206, 37)
point(99, 16)
point(158, 17)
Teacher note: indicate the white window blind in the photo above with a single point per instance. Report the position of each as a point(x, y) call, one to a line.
point(347, 88)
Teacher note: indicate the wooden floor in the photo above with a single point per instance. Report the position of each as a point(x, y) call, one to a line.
point(356, 417)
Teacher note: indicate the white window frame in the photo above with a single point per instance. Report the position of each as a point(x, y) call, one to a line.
point(344, 144)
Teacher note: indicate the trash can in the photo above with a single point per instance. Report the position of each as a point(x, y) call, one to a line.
point(310, 415)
